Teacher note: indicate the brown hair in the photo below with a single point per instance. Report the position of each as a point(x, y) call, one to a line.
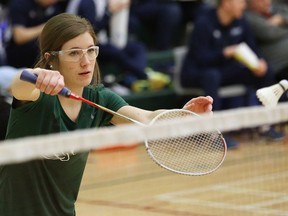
point(57, 31)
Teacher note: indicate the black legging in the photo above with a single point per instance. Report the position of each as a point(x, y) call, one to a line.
point(4, 116)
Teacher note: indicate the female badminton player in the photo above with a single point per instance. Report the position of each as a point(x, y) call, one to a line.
point(50, 186)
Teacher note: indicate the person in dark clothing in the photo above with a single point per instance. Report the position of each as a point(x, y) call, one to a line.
point(4, 116)
point(6, 75)
point(271, 18)
point(161, 20)
point(209, 62)
point(27, 19)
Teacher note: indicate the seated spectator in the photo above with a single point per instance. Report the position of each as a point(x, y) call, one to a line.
point(211, 48)
point(6, 75)
point(191, 10)
point(4, 116)
point(269, 24)
point(3, 30)
point(27, 18)
point(161, 18)
point(209, 63)
point(281, 1)
point(132, 58)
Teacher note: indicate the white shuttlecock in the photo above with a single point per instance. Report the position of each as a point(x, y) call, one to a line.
point(269, 96)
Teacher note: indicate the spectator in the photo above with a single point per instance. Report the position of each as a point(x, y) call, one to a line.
point(162, 18)
point(3, 30)
point(132, 58)
point(271, 18)
point(191, 10)
point(281, 1)
point(4, 116)
point(6, 75)
point(211, 48)
point(27, 19)
point(209, 62)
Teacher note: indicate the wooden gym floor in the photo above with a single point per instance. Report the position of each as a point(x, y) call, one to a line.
point(253, 180)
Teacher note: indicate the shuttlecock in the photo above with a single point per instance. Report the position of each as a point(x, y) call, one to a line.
point(269, 96)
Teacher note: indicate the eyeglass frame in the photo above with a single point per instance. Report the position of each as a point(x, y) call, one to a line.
point(84, 52)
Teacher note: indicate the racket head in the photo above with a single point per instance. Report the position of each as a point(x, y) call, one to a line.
point(194, 154)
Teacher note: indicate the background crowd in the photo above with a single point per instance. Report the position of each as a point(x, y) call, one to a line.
point(211, 30)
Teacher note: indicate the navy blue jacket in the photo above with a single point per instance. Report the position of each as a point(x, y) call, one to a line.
point(87, 9)
point(208, 39)
point(27, 13)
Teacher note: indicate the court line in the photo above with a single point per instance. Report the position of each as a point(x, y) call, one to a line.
point(139, 208)
point(275, 197)
point(131, 179)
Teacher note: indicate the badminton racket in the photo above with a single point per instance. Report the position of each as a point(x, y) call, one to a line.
point(194, 154)
point(269, 96)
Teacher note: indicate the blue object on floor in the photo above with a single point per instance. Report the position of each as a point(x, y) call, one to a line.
point(272, 135)
point(231, 143)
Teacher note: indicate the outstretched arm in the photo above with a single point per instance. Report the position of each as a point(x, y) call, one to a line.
point(198, 105)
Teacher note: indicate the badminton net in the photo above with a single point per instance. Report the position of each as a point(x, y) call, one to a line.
point(23, 149)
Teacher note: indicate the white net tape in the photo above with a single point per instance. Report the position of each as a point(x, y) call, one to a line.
point(24, 149)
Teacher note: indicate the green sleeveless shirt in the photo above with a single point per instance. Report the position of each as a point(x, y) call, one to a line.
point(49, 187)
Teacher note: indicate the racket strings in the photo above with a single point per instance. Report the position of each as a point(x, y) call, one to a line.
point(198, 153)
point(189, 153)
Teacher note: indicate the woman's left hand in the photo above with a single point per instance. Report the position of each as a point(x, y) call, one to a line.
point(199, 104)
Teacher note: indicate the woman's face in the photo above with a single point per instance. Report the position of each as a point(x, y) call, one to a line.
point(80, 73)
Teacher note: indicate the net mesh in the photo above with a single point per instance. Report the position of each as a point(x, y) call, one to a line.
point(121, 179)
point(28, 148)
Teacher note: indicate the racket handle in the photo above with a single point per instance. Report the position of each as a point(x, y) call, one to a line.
point(32, 78)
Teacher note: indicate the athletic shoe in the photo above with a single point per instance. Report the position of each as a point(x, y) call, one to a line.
point(272, 135)
point(157, 80)
point(231, 143)
point(140, 85)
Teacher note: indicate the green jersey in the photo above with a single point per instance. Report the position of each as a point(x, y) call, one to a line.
point(50, 186)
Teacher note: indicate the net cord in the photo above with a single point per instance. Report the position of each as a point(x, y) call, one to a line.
point(29, 148)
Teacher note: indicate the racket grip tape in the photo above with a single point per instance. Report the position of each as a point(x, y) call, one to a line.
point(32, 78)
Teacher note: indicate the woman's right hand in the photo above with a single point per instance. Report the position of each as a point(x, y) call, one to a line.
point(48, 81)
